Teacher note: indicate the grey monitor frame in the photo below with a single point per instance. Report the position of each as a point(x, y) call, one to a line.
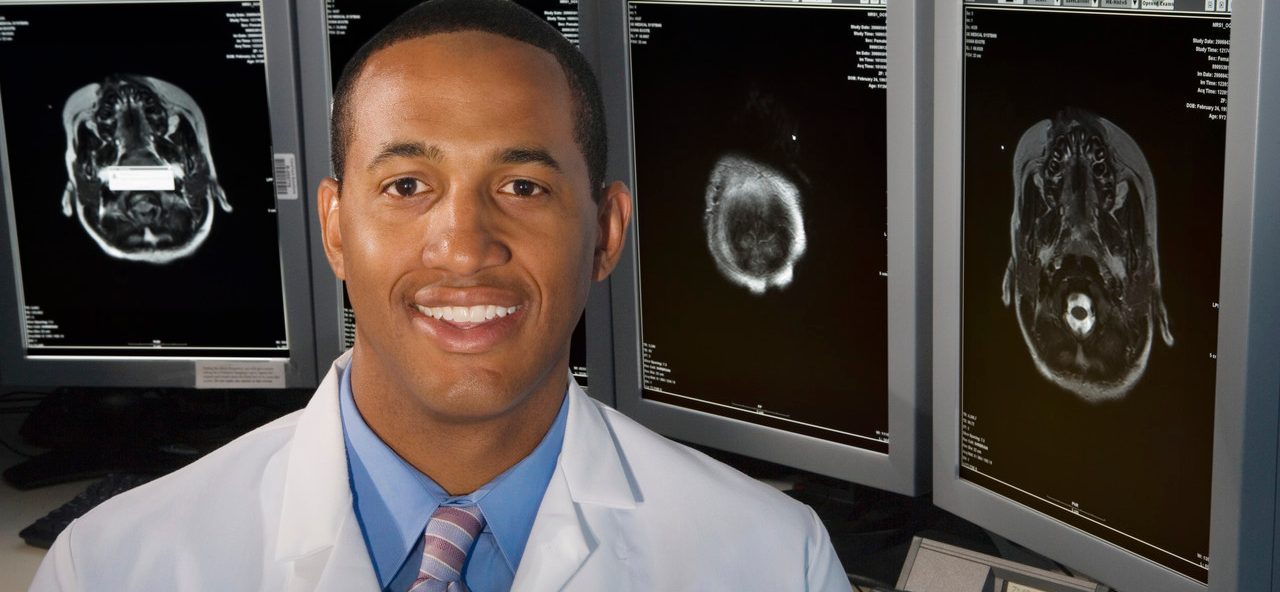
point(1243, 543)
point(317, 90)
point(1242, 532)
point(905, 469)
point(299, 368)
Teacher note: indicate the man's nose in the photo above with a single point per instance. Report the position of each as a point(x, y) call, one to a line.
point(463, 235)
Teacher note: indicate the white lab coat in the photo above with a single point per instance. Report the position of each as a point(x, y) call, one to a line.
point(626, 510)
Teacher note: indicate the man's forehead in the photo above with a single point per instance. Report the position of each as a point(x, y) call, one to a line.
point(478, 89)
point(464, 56)
point(461, 74)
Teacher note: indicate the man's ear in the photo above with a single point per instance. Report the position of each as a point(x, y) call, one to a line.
point(612, 218)
point(328, 207)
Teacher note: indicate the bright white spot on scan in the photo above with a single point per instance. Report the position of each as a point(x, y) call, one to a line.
point(1079, 315)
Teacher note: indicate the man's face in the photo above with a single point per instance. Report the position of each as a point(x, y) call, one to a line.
point(465, 226)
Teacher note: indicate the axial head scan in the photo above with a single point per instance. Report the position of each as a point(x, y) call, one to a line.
point(1084, 275)
point(755, 228)
point(140, 175)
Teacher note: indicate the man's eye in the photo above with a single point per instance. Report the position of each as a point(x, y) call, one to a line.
point(523, 188)
point(406, 187)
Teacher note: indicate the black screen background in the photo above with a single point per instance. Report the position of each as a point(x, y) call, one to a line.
point(1143, 464)
point(229, 293)
point(815, 351)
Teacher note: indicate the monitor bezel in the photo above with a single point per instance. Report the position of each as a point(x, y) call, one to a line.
point(315, 81)
point(1243, 538)
point(905, 469)
point(180, 371)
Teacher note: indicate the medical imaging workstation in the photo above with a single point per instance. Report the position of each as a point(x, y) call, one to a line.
point(769, 304)
point(154, 234)
point(999, 273)
point(1083, 209)
point(148, 233)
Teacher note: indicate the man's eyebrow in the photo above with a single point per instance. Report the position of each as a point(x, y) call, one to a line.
point(391, 150)
point(527, 154)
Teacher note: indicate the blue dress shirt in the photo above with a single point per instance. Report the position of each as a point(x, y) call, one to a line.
point(393, 501)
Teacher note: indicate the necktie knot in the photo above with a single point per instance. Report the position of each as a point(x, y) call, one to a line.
point(449, 536)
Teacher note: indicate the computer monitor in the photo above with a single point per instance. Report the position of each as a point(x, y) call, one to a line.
point(153, 233)
point(774, 299)
point(330, 33)
point(1079, 329)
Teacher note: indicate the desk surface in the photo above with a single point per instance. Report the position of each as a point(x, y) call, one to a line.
point(18, 509)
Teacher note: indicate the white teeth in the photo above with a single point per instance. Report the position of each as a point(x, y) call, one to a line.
point(467, 314)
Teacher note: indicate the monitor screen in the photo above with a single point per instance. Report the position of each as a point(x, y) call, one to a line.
point(760, 175)
point(1089, 317)
point(351, 23)
point(139, 189)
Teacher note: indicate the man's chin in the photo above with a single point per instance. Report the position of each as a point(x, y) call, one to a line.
point(475, 402)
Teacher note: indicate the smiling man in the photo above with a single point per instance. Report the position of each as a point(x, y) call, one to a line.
point(450, 450)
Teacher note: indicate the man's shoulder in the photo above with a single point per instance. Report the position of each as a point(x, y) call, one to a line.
point(700, 524)
point(670, 472)
point(222, 490)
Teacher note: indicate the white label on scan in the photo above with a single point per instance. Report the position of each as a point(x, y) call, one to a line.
point(221, 374)
point(139, 178)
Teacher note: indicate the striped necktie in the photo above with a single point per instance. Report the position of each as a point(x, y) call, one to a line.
point(449, 536)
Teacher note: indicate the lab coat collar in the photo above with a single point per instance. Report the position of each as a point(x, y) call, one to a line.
point(591, 484)
point(576, 536)
point(319, 534)
point(317, 495)
point(593, 466)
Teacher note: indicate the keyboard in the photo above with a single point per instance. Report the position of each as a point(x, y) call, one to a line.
point(43, 532)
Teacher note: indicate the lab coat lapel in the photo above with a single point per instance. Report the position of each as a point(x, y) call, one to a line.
point(575, 539)
point(318, 531)
point(344, 567)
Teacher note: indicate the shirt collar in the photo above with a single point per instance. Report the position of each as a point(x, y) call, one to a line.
point(393, 500)
point(510, 502)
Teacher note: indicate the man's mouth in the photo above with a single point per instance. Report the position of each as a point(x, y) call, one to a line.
point(467, 315)
point(468, 329)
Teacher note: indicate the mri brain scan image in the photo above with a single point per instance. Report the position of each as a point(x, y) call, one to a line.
point(140, 173)
point(1084, 274)
point(755, 227)
point(753, 216)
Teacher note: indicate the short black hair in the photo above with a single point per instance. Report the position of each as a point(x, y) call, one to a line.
point(499, 17)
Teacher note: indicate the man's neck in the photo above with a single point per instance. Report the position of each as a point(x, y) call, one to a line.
point(459, 455)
